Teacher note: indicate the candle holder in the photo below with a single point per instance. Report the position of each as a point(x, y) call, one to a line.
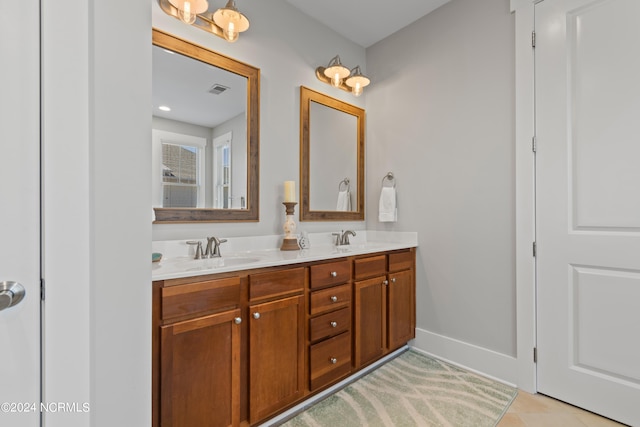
point(290, 242)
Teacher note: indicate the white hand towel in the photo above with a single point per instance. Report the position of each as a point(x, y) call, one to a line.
point(388, 211)
point(344, 201)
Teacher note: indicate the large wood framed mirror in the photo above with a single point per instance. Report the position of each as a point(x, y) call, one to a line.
point(331, 158)
point(205, 150)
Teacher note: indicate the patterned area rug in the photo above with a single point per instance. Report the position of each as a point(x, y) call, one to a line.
point(412, 390)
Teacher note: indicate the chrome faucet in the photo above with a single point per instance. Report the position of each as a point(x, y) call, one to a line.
point(342, 238)
point(213, 247)
point(212, 250)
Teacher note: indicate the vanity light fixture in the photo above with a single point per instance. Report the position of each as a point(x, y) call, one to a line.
point(226, 22)
point(337, 75)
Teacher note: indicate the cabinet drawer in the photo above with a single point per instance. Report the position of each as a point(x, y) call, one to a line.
point(370, 267)
point(330, 324)
point(330, 360)
point(329, 274)
point(277, 283)
point(199, 297)
point(330, 299)
point(400, 261)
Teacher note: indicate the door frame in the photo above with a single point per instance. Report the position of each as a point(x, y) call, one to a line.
point(524, 11)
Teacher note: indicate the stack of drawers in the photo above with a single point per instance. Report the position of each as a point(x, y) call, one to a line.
point(330, 322)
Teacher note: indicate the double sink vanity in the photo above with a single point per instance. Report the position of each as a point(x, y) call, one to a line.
point(241, 337)
point(238, 339)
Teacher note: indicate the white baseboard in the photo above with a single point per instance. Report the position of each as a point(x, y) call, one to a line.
point(488, 363)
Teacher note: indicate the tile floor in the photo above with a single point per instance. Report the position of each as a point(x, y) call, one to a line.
point(536, 410)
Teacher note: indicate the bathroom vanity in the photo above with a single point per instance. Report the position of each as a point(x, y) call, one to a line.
point(240, 339)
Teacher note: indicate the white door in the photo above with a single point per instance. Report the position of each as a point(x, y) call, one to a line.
point(587, 59)
point(19, 214)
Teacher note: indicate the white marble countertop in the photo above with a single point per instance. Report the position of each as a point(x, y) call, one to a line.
point(245, 253)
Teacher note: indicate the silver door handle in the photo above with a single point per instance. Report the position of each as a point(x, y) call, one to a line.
point(11, 293)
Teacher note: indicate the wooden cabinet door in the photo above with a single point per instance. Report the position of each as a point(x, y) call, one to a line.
point(401, 309)
point(276, 355)
point(200, 372)
point(369, 320)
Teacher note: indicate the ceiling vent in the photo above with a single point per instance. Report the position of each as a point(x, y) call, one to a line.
point(217, 89)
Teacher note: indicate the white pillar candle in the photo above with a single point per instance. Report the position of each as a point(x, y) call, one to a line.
point(290, 191)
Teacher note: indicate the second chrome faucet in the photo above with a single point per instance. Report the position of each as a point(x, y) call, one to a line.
point(342, 238)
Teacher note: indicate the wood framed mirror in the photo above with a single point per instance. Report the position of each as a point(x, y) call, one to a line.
point(206, 150)
point(331, 158)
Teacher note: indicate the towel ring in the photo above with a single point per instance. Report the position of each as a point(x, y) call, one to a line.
point(346, 183)
point(390, 178)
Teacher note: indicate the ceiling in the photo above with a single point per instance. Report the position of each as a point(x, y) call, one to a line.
point(183, 84)
point(366, 22)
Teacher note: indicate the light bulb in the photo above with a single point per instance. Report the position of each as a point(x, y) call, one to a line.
point(230, 33)
point(186, 15)
point(357, 89)
point(335, 80)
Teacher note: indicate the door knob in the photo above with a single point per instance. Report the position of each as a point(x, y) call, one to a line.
point(11, 293)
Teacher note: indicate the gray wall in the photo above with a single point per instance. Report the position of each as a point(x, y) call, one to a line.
point(440, 115)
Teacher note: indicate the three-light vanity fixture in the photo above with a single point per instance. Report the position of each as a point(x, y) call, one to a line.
point(226, 22)
point(337, 75)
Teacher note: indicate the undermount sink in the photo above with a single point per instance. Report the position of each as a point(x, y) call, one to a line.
point(359, 246)
point(233, 261)
point(224, 261)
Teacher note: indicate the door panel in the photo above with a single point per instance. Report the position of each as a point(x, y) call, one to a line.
point(588, 204)
point(20, 212)
point(276, 355)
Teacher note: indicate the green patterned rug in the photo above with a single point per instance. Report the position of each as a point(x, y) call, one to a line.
point(412, 390)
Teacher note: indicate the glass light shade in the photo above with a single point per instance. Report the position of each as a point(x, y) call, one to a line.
point(231, 21)
point(189, 9)
point(336, 71)
point(357, 81)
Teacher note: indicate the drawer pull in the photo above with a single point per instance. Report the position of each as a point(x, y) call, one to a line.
point(238, 320)
point(256, 315)
point(334, 274)
point(333, 360)
point(385, 282)
point(393, 280)
point(334, 324)
point(334, 298)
